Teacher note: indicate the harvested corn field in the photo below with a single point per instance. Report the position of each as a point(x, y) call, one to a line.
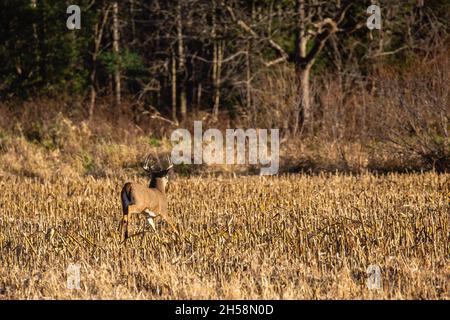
point(287, 237)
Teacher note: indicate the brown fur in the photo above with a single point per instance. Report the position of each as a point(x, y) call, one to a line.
point(137, 198)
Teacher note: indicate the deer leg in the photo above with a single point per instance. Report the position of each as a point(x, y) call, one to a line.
point(152, 223)
point(125, 226)
point(150, 218)
point(127, 214)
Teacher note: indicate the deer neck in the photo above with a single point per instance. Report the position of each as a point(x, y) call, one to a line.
point(158, 184)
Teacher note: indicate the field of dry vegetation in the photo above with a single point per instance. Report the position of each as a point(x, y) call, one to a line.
point(287, 237)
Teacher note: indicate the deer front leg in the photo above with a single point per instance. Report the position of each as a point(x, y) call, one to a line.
point(150, 218)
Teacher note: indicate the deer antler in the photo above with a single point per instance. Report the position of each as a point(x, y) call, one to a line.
point(149, 164)
point(169, 163)
point(146, 166)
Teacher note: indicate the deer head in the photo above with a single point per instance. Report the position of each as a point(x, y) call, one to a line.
point(158, 174)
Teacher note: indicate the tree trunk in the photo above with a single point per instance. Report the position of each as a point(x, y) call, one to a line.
point(248, 84)
point(98, 36)
point(303, 68)
point(174, 88)
point(133, 23)
point(42, 43)
point(304, 114)
point(199, 96)
point(217, 71)
point(248, 65)
point(116, 50)
point(181, 63)
point(217, 63)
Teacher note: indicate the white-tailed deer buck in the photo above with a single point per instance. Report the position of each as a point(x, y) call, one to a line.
point(148, 200)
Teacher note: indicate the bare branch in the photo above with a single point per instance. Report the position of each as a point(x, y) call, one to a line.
point(244, 26)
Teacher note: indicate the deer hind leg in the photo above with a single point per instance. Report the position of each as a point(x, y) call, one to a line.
point(131, 209)
point(123, 225)
point(124, 229)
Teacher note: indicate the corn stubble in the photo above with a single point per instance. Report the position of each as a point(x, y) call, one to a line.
point(291, 237)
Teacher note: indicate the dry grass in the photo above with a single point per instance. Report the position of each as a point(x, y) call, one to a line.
point(292, 237)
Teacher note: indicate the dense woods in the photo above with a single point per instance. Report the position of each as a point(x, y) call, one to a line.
point(311, 68)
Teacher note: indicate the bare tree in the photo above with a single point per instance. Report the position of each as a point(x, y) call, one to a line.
point(98, 36)
point(116, 50)
point(181, 61)
point(174, 87)
point(311, 28)
point(218, 48)
point(318, 34)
